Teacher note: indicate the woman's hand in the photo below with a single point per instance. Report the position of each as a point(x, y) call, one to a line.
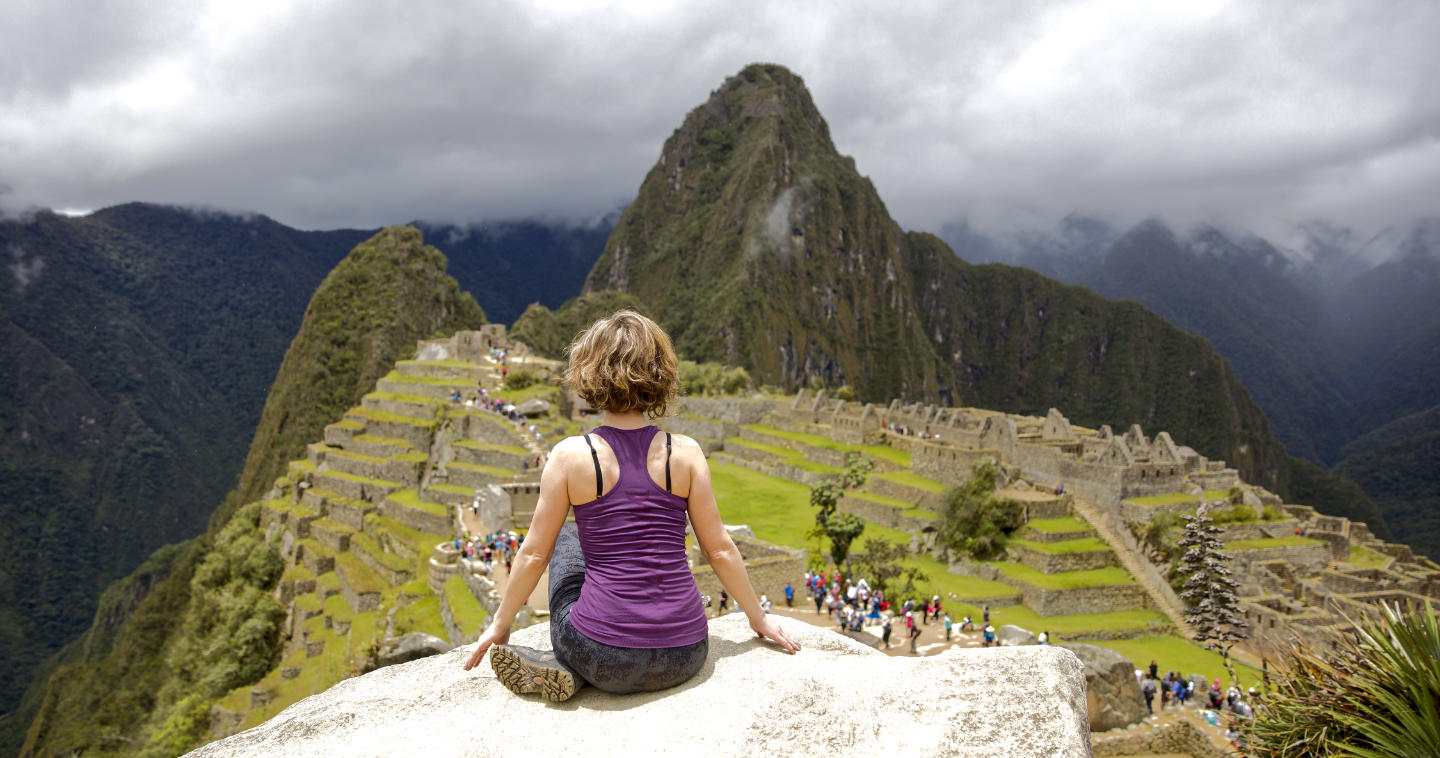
point(491, 636)
point(767, 628)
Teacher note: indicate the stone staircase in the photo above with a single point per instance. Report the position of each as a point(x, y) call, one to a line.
point(1162, 597)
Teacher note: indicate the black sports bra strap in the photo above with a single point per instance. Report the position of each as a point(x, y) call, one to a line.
point(599, 481)
point(667, 461)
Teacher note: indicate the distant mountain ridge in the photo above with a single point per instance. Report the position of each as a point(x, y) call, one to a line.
point(198, 619)
point(139, 342)
point(755, 242)
point(1342, 353)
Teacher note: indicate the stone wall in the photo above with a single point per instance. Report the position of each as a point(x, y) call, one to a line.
point(884, 515)
point(732, 410)
point(1181, 737)
point(1308, 558)
point(1104, 599)
point(1054, 563)
point(930, 501)
point(767, 575)
point(945, 463)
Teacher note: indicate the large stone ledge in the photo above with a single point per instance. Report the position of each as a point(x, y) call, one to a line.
point(1020, 701)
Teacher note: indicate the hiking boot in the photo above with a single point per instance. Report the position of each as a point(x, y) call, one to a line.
point(527, 671)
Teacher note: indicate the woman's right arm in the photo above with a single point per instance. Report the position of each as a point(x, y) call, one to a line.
point(720, 550)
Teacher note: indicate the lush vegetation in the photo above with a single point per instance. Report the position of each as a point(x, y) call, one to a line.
point(136, 361)
point(199, 620)
point(973, 521)
point(1375, 694)
point(359, 322)
point(548, 332)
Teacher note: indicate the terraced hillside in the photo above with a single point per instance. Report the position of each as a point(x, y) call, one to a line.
point(1066, 580)
point(365, 522)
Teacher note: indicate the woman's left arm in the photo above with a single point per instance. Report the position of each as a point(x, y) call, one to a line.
point(534, 553)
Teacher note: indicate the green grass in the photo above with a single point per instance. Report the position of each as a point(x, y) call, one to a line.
point(779, 511)
point(912, 479)
point(1217, 495)
point(1082, 545)
point(400, 397)
point(453, 489)
point(411, 499)
point(1061, 626)
point(786, 455)
point(370, 545)
point(336, 607)
point(379, 415)
point(539, 389)
point(363, 479)
point(893, 502)
point(1271, 542)
point(359, 576)
point(516, 449)
point(423, 615)
point(307, 602)
point(1174, 653)
point(394, 441)
point(411, 457)
point(1066, 580)
point(883, 452)
point(465, 610)
point(458, 383)
point(1364, 557)
point(363, 628)
point(1174, 498)
point(298, 573)
point(375, 459)
point(302, 466)
point(328, 581)
point(332, 526)
point(1062, 524)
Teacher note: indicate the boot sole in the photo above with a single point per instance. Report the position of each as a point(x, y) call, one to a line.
point(524, 673)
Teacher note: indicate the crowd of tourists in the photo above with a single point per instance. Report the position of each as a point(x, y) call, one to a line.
point(490, 548)
point(905, 431)
point(1175, 690)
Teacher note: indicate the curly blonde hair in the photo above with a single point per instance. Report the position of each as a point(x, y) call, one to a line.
point(624, 362)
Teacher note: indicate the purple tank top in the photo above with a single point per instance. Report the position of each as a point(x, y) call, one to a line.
point(638, 589)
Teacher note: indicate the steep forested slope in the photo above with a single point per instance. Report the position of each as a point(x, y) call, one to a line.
point(136, 345)
point(198, 619)
point(757, 243)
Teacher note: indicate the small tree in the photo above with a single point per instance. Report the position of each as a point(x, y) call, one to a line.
point(843, 528)
point(972, 521)
point(1209, 589)
point(879, 562)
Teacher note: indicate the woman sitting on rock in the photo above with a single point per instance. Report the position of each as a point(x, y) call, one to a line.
point(625, 614)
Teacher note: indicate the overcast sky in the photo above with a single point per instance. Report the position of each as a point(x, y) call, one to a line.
point(360, 113)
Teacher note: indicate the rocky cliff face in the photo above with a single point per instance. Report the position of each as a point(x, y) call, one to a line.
point(834, 696)
point(755, 242)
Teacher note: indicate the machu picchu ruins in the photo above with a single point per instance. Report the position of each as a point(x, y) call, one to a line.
point(368, 521)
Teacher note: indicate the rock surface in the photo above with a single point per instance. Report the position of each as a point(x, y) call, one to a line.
point(749, 699)
point(1112, 695)
point(410, 647)
point(1010, 635)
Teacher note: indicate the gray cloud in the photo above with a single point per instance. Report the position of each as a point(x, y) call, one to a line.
point(361, 113)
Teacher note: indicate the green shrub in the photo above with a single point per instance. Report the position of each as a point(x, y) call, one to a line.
point(1271, 513)
point(1374, 694)
point(713, 379)
point(520, 379)
point(973, 521)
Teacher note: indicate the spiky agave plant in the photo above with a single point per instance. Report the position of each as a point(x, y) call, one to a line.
point(1377, 695)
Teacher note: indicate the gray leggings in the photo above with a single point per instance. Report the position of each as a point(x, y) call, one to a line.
point(619, 670)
